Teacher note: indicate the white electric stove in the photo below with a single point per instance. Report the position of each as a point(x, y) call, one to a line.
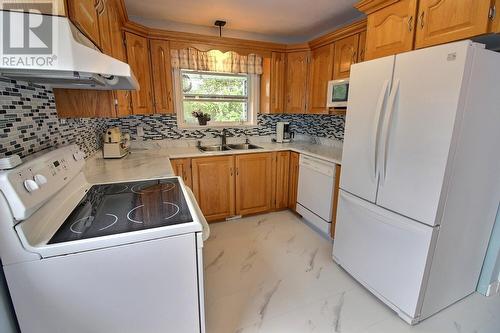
point(119, 257)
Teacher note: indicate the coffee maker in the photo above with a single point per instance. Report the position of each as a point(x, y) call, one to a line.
point(283, 133)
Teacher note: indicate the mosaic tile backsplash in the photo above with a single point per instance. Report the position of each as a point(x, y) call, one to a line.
point(158, 127)
point(29, 123)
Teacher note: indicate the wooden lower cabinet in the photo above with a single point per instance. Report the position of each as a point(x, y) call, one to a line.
point(182, 168)
point(293, 180)
point(281, 176)
point(254, 183)
point(213, 186)
point(336, 190)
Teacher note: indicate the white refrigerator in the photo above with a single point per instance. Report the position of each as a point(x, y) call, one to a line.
point(420, 182)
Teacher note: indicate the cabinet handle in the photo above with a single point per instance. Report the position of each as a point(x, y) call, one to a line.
point(492, 12)
point(410, 24)
point(231, 171)
point(422, 20)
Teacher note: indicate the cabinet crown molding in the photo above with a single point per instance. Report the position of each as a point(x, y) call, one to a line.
point(370, 6)
point(337, 34)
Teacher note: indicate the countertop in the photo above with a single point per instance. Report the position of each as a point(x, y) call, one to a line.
point(152, 160)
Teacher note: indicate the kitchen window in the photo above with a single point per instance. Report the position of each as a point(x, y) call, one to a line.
point(230, 99)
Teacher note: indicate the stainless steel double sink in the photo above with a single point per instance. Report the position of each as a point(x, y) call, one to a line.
point(239, 146)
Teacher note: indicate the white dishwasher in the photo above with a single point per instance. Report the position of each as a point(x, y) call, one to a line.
point(315, 192)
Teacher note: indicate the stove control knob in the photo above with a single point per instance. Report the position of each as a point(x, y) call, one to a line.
point(40, 179)
point(30, 185)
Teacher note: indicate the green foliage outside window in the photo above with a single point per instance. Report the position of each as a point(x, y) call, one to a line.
point(224, 97)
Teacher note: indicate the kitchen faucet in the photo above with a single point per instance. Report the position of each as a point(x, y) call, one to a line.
point(223, 137)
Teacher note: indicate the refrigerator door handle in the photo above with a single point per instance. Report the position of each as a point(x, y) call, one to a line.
point(386, 128)
point(378, 120)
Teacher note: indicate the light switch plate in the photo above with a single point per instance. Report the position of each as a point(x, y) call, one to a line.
point(140, 131)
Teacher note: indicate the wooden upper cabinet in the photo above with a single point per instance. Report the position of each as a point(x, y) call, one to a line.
point(296, 82)
point(83, 14)
point(58, 7)
point(213, 186)
point(138, 59)
point(253, 183)
point(277, 82)
point(320, 72)
point(282, 175)
point(442, 21)
point(495, 17)
point(123, 98)
point(103, 18)
point(162, 76)
point(390, 29)
point(293, 180)
point(362, 46)
point(265, 86)
point(346, 54)
point(81, 103)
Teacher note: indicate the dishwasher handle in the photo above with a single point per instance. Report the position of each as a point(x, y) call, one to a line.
point(317, 165)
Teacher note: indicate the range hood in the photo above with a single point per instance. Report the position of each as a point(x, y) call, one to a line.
point(56, 54)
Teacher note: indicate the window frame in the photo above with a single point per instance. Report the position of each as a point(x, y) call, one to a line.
point(253, 101)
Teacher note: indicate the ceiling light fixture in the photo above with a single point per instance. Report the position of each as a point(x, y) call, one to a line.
point(220, 24)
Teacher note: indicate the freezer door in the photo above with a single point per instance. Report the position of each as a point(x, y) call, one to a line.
point(384, 251)
point(418, 127)
point(370, 83)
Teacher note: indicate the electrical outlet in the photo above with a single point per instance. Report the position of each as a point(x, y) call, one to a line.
point(140, 131)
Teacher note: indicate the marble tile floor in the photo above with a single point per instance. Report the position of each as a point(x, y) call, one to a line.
point(271, 274)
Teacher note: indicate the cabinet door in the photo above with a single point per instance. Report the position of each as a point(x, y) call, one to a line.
point(162, 76)
point(253, 183)
point(346, 54)
point(390, 30)
point(296, 81)
point(293, 180)
point(282, 173)
point(495, 17)
point(58, 7)
point(123, 98)
point(362, 46)
point(213, 186)
point(320, 73)
point(335, 203)
point(103, 19)
point(182, 168)
point(443, 21)
point(83, 14)
point(81, 103)
point(278, 66)
point(138, 59)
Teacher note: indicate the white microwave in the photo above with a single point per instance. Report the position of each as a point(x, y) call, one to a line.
point(338, 92)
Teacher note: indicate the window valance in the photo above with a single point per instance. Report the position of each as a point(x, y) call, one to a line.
point(216, 61)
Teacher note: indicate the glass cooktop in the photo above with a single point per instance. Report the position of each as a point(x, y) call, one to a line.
point(125, 207)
